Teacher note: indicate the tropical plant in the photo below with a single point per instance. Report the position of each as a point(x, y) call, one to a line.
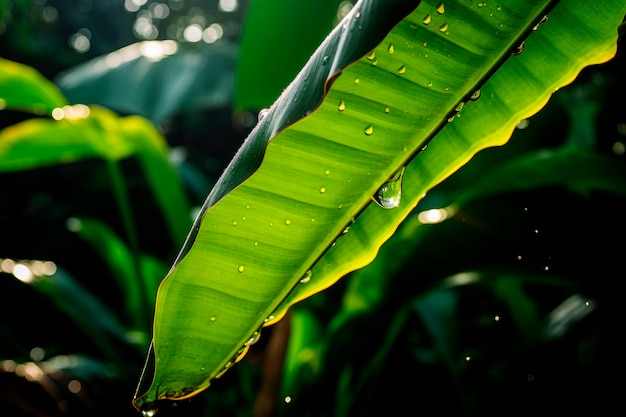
point(402, 92)
point(395, 99)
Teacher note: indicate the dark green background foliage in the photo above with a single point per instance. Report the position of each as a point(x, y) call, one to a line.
point(414, 332)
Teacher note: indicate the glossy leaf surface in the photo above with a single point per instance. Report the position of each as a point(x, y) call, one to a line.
point(298, 196)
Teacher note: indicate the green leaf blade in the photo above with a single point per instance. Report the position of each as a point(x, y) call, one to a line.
point(318, 174)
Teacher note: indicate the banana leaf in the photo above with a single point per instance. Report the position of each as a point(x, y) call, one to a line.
point(397, 97)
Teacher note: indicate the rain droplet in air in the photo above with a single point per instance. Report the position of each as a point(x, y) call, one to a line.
point(441, 9)
point(369, 130)
point(389, 194)
point(426, 19)
point(341, 106)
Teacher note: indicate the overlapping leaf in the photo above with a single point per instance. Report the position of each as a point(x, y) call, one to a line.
point(302, 201)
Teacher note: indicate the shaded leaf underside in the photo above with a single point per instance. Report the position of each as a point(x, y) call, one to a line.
point(308, 205)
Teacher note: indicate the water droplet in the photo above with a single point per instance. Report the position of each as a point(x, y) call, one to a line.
point(212, 318)
point(426, 19)
point(543, 20)
point(459, 106)
point(443, 28)
point(254, 338)
point(357, 15)
point(306, 278)
point(424, 147)
point(241, 268)
point(287, 222)
point(262, 114)
point(387, 110)
point(402, 70)
point(371, 56)
point(325, 60)
point(256, 243)
point(234, 222)
point(389, 194)
point(243, 218)
point(519, 49)
point(341, 106)
point(391, 48)
point(247, 206)
point(327, 172)
point(441, 9)
point(430, 84)
point(475, 96)
point(356, 81)
point(322, 190)
point(271, 224)
point(149, 413)
point(369, 130)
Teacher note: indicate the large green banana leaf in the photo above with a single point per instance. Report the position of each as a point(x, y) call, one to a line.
point(400, 94)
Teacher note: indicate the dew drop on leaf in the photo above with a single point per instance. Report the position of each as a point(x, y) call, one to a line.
point(371, 56)
point(402, 70)
point(306, 278)
point(426, 19)
point(389, 194)
point(519, 49)
point(441, 9)
point(443, 28)
point(391, 49)
point(254, 338)
point(341, 106)
point(262, 114)
point(369, 130)
point(241, 268)
point(475, 96)
point(322, 190)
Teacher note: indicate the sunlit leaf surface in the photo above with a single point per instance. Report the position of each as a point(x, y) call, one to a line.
point(392, 93)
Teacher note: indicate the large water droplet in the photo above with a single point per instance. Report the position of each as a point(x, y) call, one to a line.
point(402, 70)
point(389, 194)
point(441, 9)
point(391, 48)
point(475, 96)
point(443, 28)
point(241, 268)
point(369, 130)
point(426, 19)
point(341, 106)
point(149, 413)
